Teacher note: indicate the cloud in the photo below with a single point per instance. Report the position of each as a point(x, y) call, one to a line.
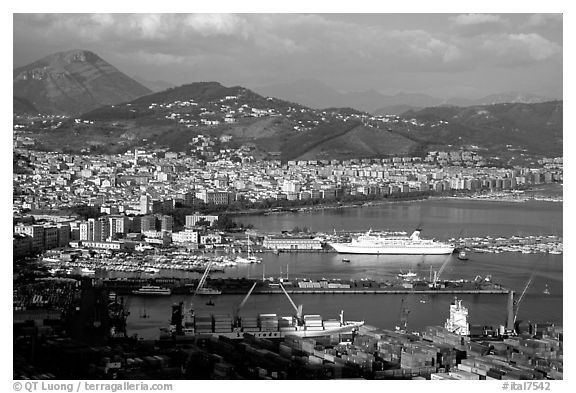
point(537, 47)
point(544, 20)
point(476, 19)
point(237, 47)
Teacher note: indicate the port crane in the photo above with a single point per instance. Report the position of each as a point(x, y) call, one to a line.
point(522, 296)
point(297, 309)
point(404, 313)
point(437, 274)
point(243, 302)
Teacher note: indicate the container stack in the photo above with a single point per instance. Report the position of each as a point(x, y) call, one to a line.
point(313, 322)
point(286, 324)
point(203, 323)
point(416, 355)
point(268, 322)
point(222, 323)
point(331, 324)
point(250, 324)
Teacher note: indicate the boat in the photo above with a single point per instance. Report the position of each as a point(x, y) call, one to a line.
point(152, 290)
point(249, 258)
point(345, 260)
point(546, 290)
point(386, 243)
point(87, 271)
point(187, 325)
point(462, 255)
point(410, 274)
point(208, 291)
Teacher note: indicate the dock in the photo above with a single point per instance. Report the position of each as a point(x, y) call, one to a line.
point(382, 292)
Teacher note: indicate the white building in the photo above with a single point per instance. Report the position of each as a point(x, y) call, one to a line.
point(186, 236)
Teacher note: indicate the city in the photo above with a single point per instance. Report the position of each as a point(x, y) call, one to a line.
point(189, 230)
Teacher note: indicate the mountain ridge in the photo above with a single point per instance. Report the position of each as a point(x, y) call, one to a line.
point(73, 82)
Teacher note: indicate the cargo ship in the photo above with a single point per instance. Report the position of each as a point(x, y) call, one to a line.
point(152, 290)
point(385, 243)
point(185, 324)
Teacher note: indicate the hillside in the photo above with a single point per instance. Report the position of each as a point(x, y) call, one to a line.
point(236, 116)
point(73, 82)
point(23, 106)
point(536, 128)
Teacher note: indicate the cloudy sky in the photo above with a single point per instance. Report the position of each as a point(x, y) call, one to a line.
point(447, 55)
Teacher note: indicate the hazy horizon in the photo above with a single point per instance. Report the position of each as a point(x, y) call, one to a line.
point(442, 55)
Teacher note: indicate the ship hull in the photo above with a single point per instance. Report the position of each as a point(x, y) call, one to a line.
point(346, 248)
point(151, 293)
point(239, 334)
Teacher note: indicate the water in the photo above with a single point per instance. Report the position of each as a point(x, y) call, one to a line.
point(440, 219)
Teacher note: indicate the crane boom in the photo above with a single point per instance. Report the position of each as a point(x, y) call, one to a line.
point(298, 309)
point(203, 279)
point(246, 298)
point(522, 296)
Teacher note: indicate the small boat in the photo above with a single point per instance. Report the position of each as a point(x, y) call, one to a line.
point(345, 260)
point(208, 291)
point(462, 256)
point(546, 290)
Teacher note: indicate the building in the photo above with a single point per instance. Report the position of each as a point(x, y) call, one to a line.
point(145, 204)
point(21, 245)
point(147, 224)
point(210, 238)
point(193, 220)
point(186, 236)
point(166, 223)
point(36, 232)
point(118, 226)
point(103, 245)
point(215, 197)
point(64, 234)
point(50, 236)
point(291, 243)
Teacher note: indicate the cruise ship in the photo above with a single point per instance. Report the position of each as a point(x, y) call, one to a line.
point(383, 243)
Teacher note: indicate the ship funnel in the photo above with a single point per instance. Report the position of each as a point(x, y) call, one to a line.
point(415, 235)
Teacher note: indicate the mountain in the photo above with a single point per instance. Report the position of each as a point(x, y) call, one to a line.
point(308, 92)
point(315, 94)
point(23, 106)
point(73, 82)
point(174, 117)
point(154, 86)
point(270, 127)
point(502, 128)
point(512, 97)
point(395, 109)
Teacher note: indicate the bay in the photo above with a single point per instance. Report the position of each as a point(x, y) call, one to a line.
point(440, 219)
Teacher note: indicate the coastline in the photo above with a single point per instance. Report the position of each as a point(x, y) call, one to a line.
point(381, 202)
